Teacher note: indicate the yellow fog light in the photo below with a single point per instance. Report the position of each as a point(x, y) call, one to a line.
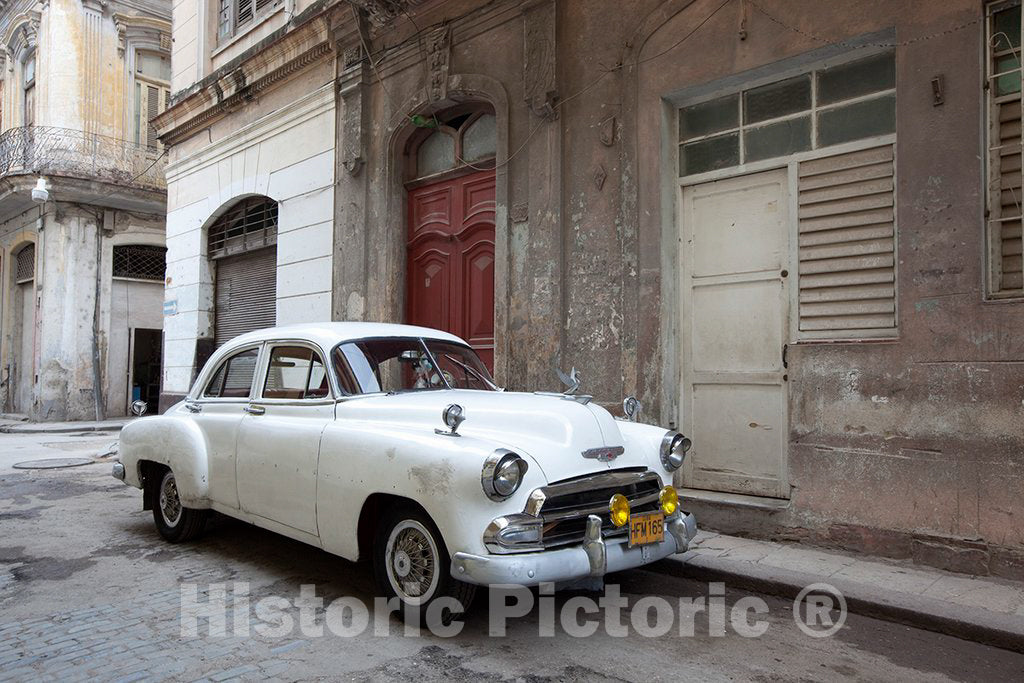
point(619, 507)
point(669, 500)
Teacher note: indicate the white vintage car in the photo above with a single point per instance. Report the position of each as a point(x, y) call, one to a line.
point(393, 442)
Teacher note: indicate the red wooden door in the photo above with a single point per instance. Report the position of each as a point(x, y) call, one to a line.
point(451, 259)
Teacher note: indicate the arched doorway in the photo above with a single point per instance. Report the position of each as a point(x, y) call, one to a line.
point(450, 242)
point(243, 245)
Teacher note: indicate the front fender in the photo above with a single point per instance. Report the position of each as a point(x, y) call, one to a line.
point(440, 473)
point(172, 441)
point(643, 442)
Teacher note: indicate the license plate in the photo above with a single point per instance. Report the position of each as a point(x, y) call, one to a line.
point(648, 527)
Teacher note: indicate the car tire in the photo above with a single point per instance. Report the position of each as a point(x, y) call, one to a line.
point(175, 522)
point(410, 562)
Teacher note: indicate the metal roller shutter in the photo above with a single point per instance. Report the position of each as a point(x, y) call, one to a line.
point(246, 294)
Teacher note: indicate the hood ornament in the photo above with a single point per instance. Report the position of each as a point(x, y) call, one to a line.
point(572, 381)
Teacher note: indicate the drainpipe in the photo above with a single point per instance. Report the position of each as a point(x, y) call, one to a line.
point(101, 229)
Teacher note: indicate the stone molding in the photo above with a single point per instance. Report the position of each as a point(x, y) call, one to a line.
point(539, 67)
point(234, 85)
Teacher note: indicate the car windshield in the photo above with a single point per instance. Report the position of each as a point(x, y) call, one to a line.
point(390, 365)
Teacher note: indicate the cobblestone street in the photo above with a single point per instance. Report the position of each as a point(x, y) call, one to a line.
point(89, 591)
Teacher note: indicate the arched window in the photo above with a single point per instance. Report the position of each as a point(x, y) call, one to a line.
point(25, 264)
point(454, 141)
point(248, 225)
point(140, 262)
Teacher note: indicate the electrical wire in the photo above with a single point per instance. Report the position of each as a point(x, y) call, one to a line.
point(826, 41)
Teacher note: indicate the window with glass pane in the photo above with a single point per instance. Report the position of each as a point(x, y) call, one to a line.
point(709, 117)
point(1005, 45)
point(778, 99)
point(849, 101)
point(856, 79)
point(296, 373)
point(863, 119)
point(776, 139)
point(233, 378)
point(436, 154)
point(480, 139)
point(710, 154)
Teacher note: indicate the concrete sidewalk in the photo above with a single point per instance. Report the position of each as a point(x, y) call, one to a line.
point(12, 426)
point(983, 609)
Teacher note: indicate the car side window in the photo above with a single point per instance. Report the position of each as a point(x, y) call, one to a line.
point(296, 373)
point(233, 378)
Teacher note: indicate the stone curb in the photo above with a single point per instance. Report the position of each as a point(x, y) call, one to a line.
point(40, 429)
point(1005, 631)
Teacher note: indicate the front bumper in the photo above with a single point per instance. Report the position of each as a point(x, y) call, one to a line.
point(594, 557)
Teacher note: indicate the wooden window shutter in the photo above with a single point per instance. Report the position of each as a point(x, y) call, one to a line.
point(152, 110)
point(1005, 198)
point(244, 15)
point(847, 274)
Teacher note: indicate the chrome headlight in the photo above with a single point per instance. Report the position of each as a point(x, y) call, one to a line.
point(673, 450)
point(502, 474)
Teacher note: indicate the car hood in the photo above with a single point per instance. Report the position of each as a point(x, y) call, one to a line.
point(552, 430)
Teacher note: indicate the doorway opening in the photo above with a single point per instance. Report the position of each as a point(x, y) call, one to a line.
point(147, 351)
point(450, 242)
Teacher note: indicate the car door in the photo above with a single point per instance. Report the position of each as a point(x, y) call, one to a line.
point(279, 438)
point(217, 409)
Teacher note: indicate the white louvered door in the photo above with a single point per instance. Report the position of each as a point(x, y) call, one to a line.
point(735, 303)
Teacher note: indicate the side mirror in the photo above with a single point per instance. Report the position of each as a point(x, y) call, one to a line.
point(139, 408)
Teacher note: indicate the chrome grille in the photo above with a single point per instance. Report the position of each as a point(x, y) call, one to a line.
point(565, 506)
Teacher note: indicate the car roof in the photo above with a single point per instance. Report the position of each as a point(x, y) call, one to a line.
point(329, 334)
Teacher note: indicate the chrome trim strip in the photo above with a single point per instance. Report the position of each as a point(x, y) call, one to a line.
point(596, 481)
point(596, 509)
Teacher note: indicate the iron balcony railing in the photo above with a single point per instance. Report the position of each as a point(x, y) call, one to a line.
point(48, 150)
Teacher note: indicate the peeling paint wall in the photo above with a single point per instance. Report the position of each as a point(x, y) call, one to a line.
point(919, 435)
point(84, 52)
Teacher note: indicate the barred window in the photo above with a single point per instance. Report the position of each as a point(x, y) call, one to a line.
point(25, 264)
point(248, 225)
point(140, 262)
point(1004, 198)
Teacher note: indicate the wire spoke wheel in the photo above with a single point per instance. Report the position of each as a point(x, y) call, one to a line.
point(170, 504)
point(411, 559)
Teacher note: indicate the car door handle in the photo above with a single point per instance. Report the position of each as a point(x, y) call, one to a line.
point(193, 408)
point(255, 410)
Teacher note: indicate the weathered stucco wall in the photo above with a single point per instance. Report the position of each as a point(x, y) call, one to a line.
point(282, 148)
point(53, 330)
point(921, 434)
point(918, 435)
point(909, 446)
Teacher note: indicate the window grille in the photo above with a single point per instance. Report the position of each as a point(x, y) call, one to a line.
point(248, 225)
point(140, 262)
point(25, 264)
